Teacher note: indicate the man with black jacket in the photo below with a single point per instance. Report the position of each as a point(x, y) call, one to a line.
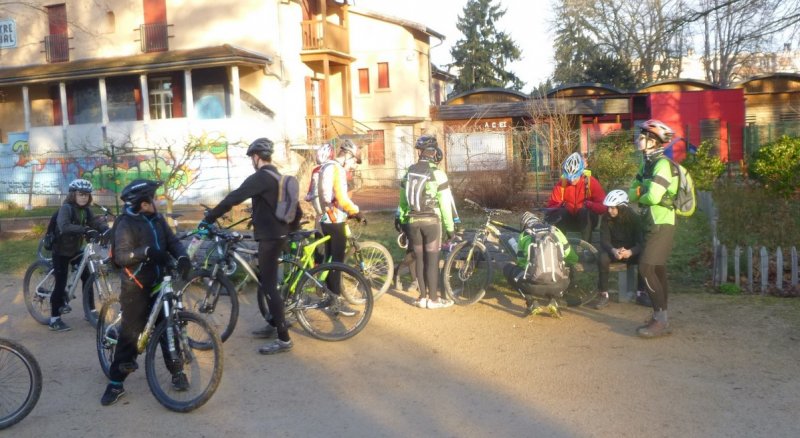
point(143, 244)
point(262, 188)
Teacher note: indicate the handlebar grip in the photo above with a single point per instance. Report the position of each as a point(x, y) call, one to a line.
point(501, 211)
point(471, 202)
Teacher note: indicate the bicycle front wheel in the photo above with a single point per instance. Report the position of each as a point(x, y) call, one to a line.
point(95, 293)
point(37, 287)
point(583, 275)
point(326, 315)
point(377, 267)
point(185, 379)
point(467, 273)
point(213, 298)
point(108, 328)
point(20, 383)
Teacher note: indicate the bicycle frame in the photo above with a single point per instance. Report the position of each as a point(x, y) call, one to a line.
point(90, 259)
point(305, 254)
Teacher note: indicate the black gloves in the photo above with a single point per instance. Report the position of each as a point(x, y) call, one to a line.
point(184, 267)
point(158, 256)
point(360, 217)
point(397, 224)
point(91, 234)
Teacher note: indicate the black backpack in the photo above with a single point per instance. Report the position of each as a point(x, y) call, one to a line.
point(52, 232)
point(421, 188)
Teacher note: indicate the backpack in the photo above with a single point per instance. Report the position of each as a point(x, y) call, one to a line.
point(52, 233)
point(685, 201)
point(288, 197)
point(542, 255)
point(313, 192)
point(421, 188)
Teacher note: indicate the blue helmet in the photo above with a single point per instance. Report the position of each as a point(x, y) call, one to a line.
point(573, 167)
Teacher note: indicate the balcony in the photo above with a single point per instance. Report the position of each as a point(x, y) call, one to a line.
point(324, 35)
point(320, 129)
point(153, 37)
point(56, 48)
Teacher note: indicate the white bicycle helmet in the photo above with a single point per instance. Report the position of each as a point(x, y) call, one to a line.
point(616, 198)
point(81, 185)
point(324, 153)
point(573, 166)
point(658, 129)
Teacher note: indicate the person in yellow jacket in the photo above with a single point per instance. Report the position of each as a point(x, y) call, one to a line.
point(426, 206)
point(653, 189)
point(337, 207)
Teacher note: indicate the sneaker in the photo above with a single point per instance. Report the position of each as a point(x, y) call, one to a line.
point(530, 305)
point(655, 329)
point(66, 308)
point(553, 310)
point(267, 332)
point(276, 346)
point(59, 326)
point(112, 394)
point(345, 310)
point(600, 302)
point(422, 303)
point(179, 381)
point(439, 304)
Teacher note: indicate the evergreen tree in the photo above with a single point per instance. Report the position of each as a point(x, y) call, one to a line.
point(608, 70)
point(483, 54)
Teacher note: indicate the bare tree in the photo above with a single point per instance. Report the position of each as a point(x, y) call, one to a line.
point(554, 128)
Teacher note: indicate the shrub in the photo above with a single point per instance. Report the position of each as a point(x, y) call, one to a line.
point(704, 166)
point(493, 189)
point(614, 161)
point(750, 215)
point(776, 165)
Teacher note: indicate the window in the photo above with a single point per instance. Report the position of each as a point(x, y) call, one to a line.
point(383, 75)
point(376, 150)
point(56, 44)
point(153, 33)
point(363, 80)
point(210, 91)
point(476, 151)
point(83, 102)
point(160, 92)
point(121, 93)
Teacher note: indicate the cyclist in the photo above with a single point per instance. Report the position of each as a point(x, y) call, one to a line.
point(577, 198)
point(426, 206)
point(653, 188)
point(336, 207)
point(75, 220)
point(142, 247)
point(515, 272)
point(324, 155)
point(621, 241)
point(270, 232)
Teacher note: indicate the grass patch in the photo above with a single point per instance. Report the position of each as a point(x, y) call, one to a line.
point(18, 253)
point(689, 266)
point(14, 211)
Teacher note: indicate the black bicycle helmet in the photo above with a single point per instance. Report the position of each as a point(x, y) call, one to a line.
point(261, 146)
point(426, 142)
point(140, 190)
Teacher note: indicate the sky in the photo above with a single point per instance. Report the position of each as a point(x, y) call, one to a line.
point(528, 23)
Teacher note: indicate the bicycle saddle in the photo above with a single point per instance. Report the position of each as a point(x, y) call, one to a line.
point(296, 236)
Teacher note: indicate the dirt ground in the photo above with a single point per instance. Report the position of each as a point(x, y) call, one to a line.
point(729, 370)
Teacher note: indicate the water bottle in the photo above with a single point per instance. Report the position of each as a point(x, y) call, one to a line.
point(194, 245)
point(512, 242)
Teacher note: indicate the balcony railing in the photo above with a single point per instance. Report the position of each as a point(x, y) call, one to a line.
point(320, 129)
point(324, 35)
point(154, 37)
point(56, 48)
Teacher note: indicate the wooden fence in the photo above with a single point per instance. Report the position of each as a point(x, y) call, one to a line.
point(755, 269)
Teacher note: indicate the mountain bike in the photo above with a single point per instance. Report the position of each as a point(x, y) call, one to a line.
point(469, 268)
point(309, 291)
point(101, 284)
point(373, 260)
point(172, 337)
point(20, 382)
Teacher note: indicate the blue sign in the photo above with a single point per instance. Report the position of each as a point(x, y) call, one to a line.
point(8, 33)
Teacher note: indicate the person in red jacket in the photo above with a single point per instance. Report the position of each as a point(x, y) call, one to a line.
point(576, 202)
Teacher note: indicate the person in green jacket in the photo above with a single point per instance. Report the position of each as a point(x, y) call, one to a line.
point(426, 206)
point(653, 189)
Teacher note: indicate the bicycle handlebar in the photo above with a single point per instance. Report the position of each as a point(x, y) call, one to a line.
point(485, 209)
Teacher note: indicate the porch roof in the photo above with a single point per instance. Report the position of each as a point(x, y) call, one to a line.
point(136, 64)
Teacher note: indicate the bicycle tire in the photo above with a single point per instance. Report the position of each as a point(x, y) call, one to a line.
point(321, 313)
point(93, 298)
point(43, 254)
point(378, 267)
point(215, 299)
point(39, 272)
point(462, 280)
point(105, 339)
point(582, 287)
point(196, 330)
point(20, 383)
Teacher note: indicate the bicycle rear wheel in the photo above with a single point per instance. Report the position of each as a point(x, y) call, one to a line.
point(109, 321)
point(377, 267)
point(92, 297)
point(201, 366)
point(20, 383)
point(214, 299)
point(467, 272)
point(583, 276)
point(37, 287)
point(325, 315)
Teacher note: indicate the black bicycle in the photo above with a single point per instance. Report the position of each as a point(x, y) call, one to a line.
point(20, 382)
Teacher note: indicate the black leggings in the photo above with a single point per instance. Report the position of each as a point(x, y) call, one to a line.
point(335, 249)
point(425, 236)
point(409, 259)
point(61, 272)
point(604, 265)
point(584, 221)
point(653, 263)
point(268, 253)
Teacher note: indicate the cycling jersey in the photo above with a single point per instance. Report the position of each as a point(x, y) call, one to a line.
point(334, 200)
point(653, 182)
point(444, 197)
